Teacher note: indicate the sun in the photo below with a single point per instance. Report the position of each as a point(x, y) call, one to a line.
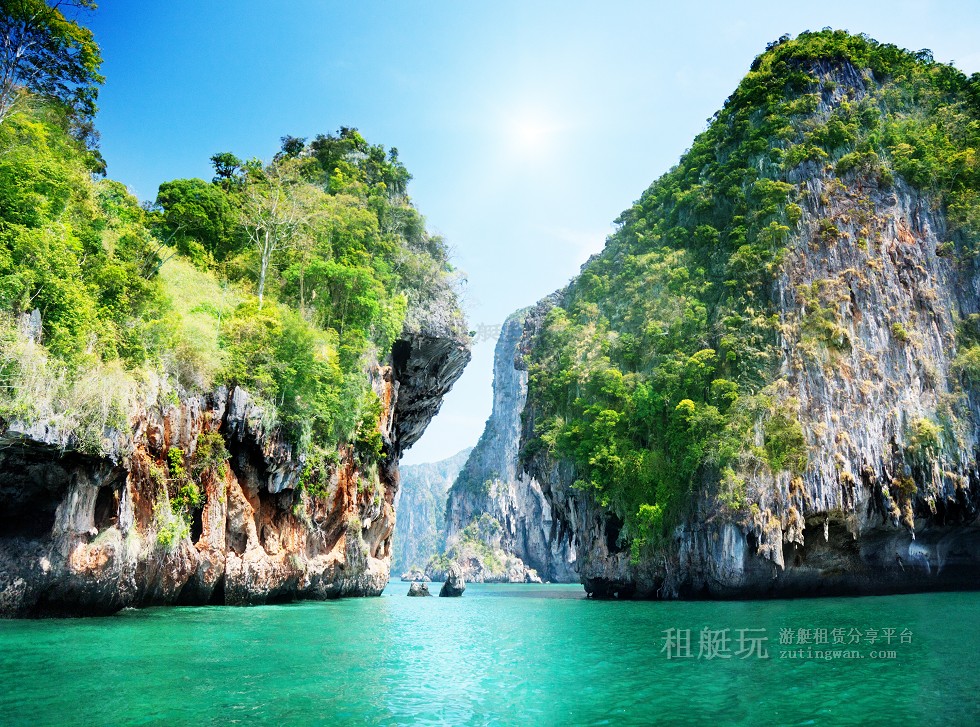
point(531, 132)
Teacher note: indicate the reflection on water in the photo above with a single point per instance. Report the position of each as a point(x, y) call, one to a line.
point(501, 654)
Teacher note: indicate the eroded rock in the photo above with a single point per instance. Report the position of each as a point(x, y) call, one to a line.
point(415, 575)
point(454, 585)
point(81, 534)
point(532, 541)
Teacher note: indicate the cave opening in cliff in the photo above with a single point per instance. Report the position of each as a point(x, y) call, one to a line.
point(106, 508)
point(33, 480)
point(28, 523)
point(197, 525)
point(614, 526)
point(217, 597)
point(400, 352)
point(237, 541)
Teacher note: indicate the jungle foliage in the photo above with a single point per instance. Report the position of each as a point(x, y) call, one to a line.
point(173, 291)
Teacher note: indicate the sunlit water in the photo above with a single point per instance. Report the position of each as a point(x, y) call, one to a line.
point(505, 654)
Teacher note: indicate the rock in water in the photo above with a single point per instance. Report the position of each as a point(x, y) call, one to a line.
point(419, 589)
point(415, 574)
point(454, 585)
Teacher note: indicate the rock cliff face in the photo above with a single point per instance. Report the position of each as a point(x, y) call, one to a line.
point(491, 485)
point(90, 535)
point(885, 503)
point(421, 507)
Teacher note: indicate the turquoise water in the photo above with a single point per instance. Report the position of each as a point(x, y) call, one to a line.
point(503, 654)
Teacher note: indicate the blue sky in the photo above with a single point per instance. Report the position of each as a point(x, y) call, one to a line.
point(528, 126)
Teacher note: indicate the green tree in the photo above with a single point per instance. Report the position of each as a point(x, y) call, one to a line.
point(292, 146)
point(277, 206)
point(195, 210)
point(74, 249)
point(228, 171)
point(45, 53)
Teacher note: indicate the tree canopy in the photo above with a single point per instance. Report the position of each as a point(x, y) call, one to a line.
point(198, 217)
point(45, 53)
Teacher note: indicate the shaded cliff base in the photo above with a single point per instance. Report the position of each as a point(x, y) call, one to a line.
point(85, 536)
point(724, 563)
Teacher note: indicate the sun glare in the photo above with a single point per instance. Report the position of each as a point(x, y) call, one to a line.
point(531, 132)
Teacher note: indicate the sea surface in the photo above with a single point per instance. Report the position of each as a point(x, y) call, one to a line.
point(503, 655)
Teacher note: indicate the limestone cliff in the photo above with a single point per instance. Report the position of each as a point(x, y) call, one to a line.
point(490, 484)
point(868, 303)
point(421, 507)
point(87, 535)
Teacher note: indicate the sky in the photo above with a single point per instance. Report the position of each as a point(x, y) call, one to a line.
point(527, 126)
